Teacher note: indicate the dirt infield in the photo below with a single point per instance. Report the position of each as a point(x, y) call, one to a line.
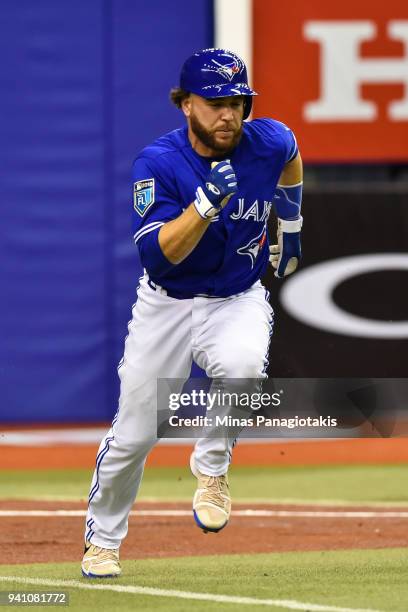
point(310, 452)
point(28, 539)
point(35, 539)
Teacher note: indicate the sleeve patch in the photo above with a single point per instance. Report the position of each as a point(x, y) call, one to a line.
point(143, 196)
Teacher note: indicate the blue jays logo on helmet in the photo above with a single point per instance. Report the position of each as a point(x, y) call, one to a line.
point(229, 68)
point(216, 73)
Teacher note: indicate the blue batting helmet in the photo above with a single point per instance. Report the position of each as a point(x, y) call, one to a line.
point(215, 73)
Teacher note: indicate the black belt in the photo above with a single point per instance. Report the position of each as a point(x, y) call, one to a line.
point(178, 295)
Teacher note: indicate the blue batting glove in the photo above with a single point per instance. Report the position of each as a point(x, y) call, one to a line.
point(220, 186)
point(285, 255)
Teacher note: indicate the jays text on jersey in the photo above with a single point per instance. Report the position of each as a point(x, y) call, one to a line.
point(233, 253)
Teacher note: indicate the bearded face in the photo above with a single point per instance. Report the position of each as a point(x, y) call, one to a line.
point(221, 139)
point(215, 124)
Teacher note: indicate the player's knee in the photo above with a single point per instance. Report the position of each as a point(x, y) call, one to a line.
point(136, 447)
point(248, 363)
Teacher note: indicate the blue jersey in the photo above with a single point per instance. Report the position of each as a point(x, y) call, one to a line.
point(233, 252)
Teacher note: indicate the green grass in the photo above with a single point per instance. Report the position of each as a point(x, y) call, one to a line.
point(373, 579)
point(58, 484)
point(354, 484)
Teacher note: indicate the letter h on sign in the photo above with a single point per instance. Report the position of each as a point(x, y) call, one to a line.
point(342, 71)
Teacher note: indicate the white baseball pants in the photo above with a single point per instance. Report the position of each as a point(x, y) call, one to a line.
point(227, 337)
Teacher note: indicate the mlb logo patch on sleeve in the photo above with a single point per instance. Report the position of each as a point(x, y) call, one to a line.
point(143, 195)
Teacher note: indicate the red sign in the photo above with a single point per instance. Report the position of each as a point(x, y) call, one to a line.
point(337, 74)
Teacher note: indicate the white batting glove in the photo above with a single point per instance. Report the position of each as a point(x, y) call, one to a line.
point(220, 186)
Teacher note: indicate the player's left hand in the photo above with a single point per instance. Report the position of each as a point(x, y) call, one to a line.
point(285, 255)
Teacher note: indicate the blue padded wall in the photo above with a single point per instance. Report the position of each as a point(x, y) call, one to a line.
point(84, 85)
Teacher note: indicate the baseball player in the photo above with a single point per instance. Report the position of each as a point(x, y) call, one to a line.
point(202, 198)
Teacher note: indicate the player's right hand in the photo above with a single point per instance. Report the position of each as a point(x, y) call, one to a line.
point(220, 186)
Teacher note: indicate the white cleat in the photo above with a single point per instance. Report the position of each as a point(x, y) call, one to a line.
point(212, 500)
point(100, 562)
